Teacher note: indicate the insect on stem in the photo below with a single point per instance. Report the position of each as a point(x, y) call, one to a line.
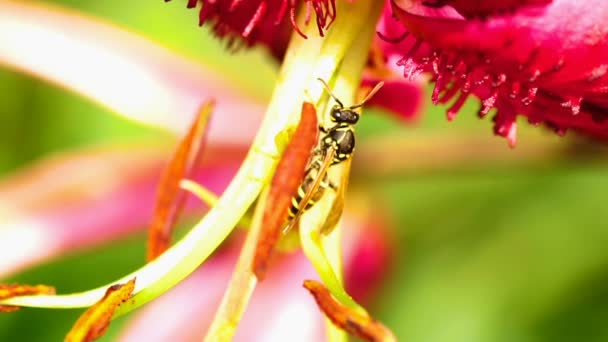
point(301, 175)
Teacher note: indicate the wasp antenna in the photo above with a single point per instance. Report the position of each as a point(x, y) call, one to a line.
point(369, 96)
point(330, 93)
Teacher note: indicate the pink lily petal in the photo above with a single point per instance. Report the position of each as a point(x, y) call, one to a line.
point(475, 8)
point(204, 287)
point(121, 71)
point(280, 309)
point(81, 199)
point(391, 97)
point(546, 61)
point(367, 257)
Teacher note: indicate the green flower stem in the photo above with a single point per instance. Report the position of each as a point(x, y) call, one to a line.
point(355, 24)
point(204, 194)
point(329, 270)
point(242, 284)
point(354, 29)
point(209, 198)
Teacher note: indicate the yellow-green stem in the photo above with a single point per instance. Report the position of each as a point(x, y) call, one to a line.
point(241, 286)
point(208, 197)
point(354, 29)
point(355, 24)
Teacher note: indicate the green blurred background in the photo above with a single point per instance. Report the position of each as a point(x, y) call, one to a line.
point(485, 251)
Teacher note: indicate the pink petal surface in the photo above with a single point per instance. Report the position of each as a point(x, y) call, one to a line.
point(280, 309)
point(120, 70)
point(480, 8)
point(398, 96)
point(76, 200)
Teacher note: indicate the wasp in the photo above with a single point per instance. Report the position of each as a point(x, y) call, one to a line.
point(305, 177)
point(336, 144)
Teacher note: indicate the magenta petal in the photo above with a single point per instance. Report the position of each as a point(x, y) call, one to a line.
point(165, 318)
point(266, 22)
point(546, 61)
point(476, 8)
point(279, 310)
point(398, 96)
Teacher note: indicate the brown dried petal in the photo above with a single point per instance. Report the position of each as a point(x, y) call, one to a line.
point(170, 197)
point(15, 290)
point(354, 322)
point(95, 321)
point(285, 183)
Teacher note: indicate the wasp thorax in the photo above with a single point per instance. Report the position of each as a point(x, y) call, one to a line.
point(341, 115)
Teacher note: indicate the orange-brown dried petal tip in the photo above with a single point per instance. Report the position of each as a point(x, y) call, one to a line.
point(95, 321)
point(170, 197)
point(347, 319)
point(15, 290)
point(284, 186)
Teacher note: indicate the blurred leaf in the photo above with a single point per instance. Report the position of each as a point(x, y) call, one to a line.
point(497, 256)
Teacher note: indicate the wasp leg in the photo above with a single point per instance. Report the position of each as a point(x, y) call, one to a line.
point(332, 186)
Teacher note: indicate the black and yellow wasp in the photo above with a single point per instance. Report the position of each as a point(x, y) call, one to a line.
point(322, 147)
point(336, 144)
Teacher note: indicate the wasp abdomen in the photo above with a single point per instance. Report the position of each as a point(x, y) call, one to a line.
point(309, 178)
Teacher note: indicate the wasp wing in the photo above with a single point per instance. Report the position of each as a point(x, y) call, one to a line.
point(329, 156)
point(337, 207)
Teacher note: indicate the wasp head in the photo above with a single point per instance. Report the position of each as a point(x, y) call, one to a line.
point(344, 115)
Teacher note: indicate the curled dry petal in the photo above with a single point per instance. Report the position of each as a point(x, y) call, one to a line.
point(95, 321)
point(543, 59)
point(170, 198)
point(14, 290)
point(284, 186)
point(354, 322)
